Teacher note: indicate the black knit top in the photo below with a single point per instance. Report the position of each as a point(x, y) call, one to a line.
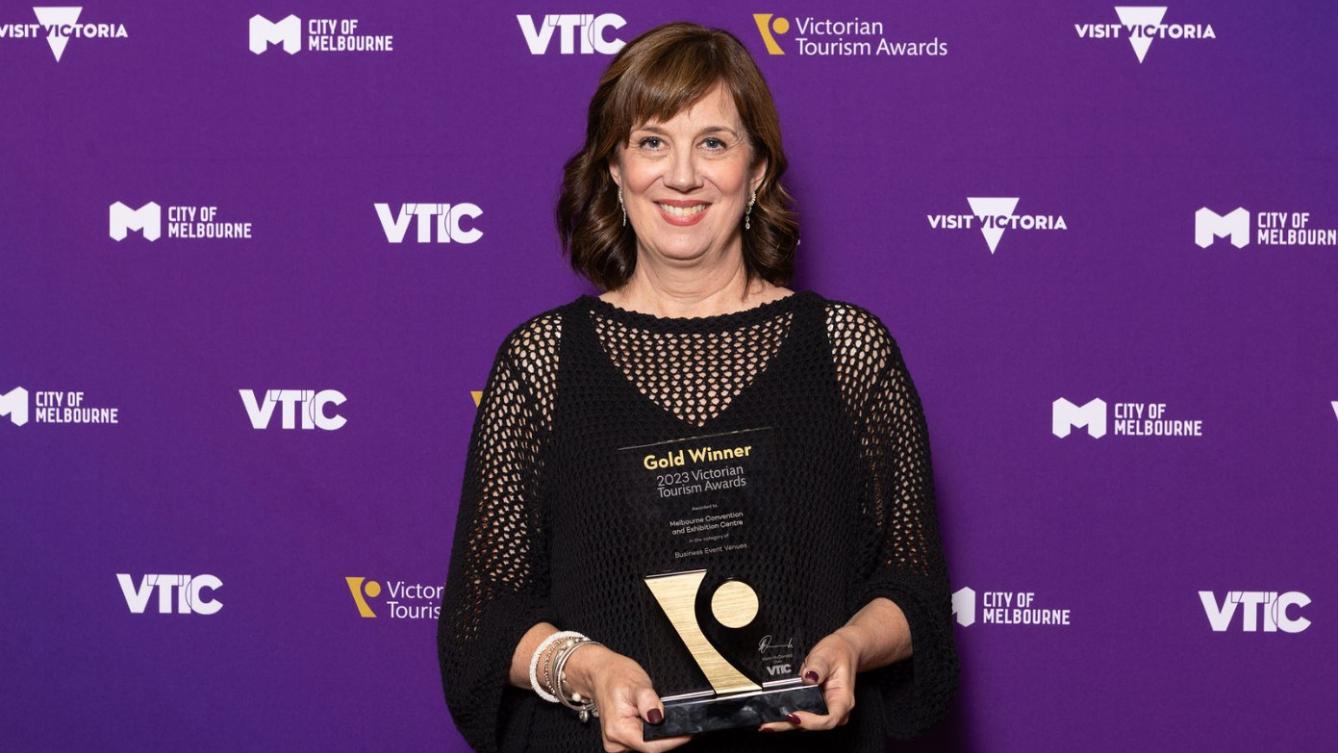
point(575, 491)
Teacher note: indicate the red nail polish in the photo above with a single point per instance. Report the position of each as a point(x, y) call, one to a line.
point(794, 719)
point(811, 676)
point(766, 729)
point(654, 716)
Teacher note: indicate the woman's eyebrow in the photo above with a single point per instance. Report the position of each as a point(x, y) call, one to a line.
point(708, 129)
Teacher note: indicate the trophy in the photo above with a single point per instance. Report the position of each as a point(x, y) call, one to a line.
point(727, 655)
point(734, 699)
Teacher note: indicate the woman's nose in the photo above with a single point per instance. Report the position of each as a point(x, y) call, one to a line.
point(682, 172)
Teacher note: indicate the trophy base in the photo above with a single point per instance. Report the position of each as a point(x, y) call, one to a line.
point(689, 716)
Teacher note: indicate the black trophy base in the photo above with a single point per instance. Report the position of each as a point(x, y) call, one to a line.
point(689, 716)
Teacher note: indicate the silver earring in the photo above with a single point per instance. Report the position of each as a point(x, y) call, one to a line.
point(746, 224)
point(621, 204)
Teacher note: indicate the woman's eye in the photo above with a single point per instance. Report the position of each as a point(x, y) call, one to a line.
point(714, 143)
point(646, 139)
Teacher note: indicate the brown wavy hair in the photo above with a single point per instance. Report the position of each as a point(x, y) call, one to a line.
point(654, 77)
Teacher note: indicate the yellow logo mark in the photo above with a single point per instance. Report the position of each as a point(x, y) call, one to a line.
point(355, 587)
point(765, 25)
point(477, 395)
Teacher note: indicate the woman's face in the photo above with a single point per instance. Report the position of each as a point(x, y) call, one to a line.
point(686, 182)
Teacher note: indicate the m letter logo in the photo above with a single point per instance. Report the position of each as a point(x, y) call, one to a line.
point(287, 32)
point(15, 405)
point(1209, 225)
point(1064, 415)
point(147, 219)
point(964, 606)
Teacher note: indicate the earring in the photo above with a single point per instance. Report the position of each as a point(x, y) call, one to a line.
point(746, 224)
point(621, 204)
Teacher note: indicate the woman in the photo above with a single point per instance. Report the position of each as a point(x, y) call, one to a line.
point(675, 207)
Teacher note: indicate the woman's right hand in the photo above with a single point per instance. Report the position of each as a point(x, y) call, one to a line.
point(623, 695)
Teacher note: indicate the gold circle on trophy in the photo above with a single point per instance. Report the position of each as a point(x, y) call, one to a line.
point(734, 604)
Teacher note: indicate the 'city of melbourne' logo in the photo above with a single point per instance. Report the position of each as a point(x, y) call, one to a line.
point(1132, 419)
point(54, 407)
point(592, 30)
point(994, 215)
point(404, 600)
point(830, 37)
point(312, 405)
point(184, 222)
point(1004, 608)
point(1270, 608)
point(1141, 24)
point(60, 24)
point(1270, 228)
point(322, 35)
point(433, 223)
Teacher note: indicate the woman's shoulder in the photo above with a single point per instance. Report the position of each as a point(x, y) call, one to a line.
point(857, 334)
point(532, 345)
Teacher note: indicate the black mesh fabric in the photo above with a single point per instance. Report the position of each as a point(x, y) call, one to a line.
point(545, 531)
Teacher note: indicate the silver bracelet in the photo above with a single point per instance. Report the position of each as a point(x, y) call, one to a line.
point(584, 708)
point(534, 662)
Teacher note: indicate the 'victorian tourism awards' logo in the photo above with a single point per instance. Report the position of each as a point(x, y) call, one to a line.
point(1269, 228)
point(187, 222)
point(54, 407)
point(60, 24)
point(1130, 419)
point(339, 35)
point(577, 33)
point(1141, 24)
point(432, 223)
point(810, 36)
point(992, 215)
point(1004, 608)
point(398, 599)
point(1260, 611)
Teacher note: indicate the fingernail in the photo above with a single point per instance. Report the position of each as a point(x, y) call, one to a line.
point(811, 676)
point(654, 716)
point(794, 719)
point(765, 729)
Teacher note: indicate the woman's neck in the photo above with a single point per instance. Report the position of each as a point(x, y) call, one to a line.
point(682, 292)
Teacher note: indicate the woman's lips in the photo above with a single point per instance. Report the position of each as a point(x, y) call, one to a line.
point(681, 219)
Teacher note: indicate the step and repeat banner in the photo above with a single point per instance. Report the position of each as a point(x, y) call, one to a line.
point(257, 258)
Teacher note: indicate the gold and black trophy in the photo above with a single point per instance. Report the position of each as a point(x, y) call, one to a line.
point(721, 654)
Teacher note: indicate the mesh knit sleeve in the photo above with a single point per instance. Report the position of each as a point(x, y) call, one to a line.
point(901, 551)
point(496, 588)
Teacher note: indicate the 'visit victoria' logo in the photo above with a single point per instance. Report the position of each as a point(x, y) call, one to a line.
point(1141, 24)
point(993, 215)
point(60, 24)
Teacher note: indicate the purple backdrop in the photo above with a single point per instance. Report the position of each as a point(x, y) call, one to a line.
point(1116, 535)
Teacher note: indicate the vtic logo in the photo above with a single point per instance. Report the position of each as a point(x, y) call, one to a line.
point(1270, 228)
point(439, 222)
point(313, 408)
point(323, 35)
point(994, 215)
point(1131, 420)
point(1141, 24)
point(1334, 404)
point(184, 222)
point(60, 24)
point(408, 601)
point(1269, 605)
point(592, 30)
point(189, 590)
point(1005, 608)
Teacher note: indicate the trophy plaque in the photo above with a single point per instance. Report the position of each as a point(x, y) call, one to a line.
point(720, 653)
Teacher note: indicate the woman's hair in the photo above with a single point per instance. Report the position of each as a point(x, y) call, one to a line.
point(654, 77)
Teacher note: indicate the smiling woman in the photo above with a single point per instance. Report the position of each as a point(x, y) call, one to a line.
point(717, 487)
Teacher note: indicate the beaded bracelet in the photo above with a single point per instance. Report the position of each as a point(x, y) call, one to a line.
point(534, 663)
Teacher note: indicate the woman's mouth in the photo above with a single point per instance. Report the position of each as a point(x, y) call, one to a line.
point(683, 216)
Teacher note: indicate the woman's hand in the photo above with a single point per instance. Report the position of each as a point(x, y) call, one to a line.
point(833, 664)
point(623, 695)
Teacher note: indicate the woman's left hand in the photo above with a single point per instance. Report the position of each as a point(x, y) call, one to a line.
point(833, 664)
